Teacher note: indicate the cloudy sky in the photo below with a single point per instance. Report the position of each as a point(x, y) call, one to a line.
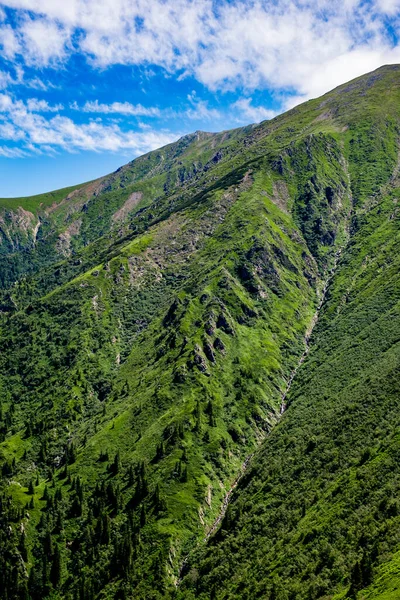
point(86, 85)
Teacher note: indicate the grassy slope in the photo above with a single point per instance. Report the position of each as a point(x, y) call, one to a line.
point(39, 234)
point(35, 204)
point(318, 513)
point(386, 583)
point(166, 388)
point(171, 342)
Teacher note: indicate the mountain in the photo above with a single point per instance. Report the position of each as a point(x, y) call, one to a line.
point(199, 366)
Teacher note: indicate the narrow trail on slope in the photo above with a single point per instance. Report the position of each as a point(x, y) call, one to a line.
point(246, 463)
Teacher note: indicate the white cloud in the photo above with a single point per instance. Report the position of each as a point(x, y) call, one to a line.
point(8, 41)
point(7, 152)
point(9, 132)
point(197, 110)
point(121, 108)
point(253, 113)
point(16, 76)
point(307, 46)
point(298, 45)
point(6, 103)
point(340, 69)
point(390, 7)
point(35, 105)
point(39, 133)
point(5, 80)
point(45, 41)
point(200, 111)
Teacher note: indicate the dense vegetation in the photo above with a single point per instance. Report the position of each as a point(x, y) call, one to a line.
point(152, 323)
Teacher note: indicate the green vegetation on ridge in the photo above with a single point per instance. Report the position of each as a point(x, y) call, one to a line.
point(149, 328)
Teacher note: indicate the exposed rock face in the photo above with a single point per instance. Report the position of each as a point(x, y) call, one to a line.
point(219, 345)
point(223, 324)
point(64, 239)
point(18, 228)
point(132, 201)
point(199, 361)
point(208, 352)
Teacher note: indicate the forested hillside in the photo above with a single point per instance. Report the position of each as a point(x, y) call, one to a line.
point(224, 306)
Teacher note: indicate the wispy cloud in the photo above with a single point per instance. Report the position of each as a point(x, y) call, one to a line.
point(199, 109)
point(19, 122)
point(7, 152)
point(5, 80)
point(252, 113)
point(196, 109)
point(121, 108)
point(35, 105)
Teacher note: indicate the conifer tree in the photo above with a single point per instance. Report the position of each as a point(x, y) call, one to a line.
point(55, 570)
point(48, 548)
point(142, 516)
point(105, 529)
point(22, 546)
point(159, 451)
point(116, 465)
point(184, 475)
point(131, 477)
point(46, 494)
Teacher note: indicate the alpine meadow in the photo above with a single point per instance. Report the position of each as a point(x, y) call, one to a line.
point(200, 367)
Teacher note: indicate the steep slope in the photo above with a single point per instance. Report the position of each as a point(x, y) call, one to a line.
point(145, 354)
point(318, 512)
point(41, 230)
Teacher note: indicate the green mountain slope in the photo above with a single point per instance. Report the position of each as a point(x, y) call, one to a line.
point(156, 323)
point(319, 512)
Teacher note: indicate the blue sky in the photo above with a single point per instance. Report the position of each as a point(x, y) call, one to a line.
point(87, 85)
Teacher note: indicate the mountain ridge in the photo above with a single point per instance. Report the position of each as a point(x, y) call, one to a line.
point(145, 356)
